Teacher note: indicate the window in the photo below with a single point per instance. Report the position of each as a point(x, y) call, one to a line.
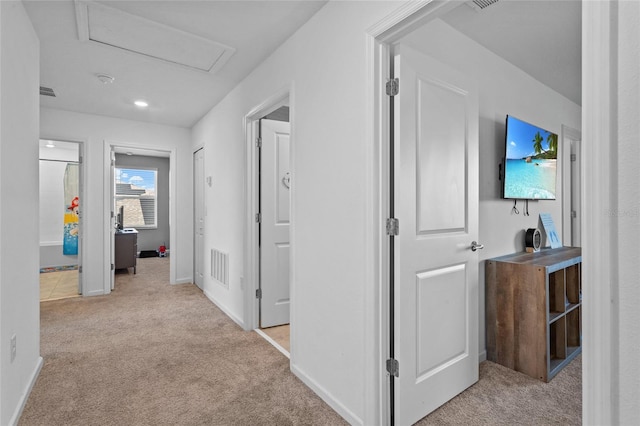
point(136, 193)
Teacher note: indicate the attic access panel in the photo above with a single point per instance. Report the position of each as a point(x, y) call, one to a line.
point(132, 33)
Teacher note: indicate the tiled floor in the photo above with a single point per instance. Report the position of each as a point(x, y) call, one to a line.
point(280, 334)
point(58, 285)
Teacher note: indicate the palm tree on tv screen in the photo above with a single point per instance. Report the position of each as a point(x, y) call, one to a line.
point(552, 141)
point(537, 143)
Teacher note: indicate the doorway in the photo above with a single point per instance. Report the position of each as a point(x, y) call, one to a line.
point(274, 223)
point(139, 190)
point(61, 231)
point(198, 217)
point(270, 221)
point(394, 32)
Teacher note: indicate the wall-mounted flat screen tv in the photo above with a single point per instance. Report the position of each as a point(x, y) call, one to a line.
point(531, 155)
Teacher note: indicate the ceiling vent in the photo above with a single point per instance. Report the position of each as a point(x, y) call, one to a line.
point(479, 5)
point(47, 91)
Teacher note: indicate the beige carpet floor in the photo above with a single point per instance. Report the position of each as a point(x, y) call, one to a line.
point(505, 397)
point(156, 354)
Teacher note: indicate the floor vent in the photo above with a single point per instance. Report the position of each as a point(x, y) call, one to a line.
point(47, 91)
point(220, 266)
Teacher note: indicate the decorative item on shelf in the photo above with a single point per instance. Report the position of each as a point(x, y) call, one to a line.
point(553, 239)
point(532, 240)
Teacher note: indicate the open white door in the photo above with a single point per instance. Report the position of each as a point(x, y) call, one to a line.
point(436, 204)
point(198, 199)
point(274, 224)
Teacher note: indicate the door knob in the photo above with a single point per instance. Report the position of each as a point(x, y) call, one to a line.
point(475, 246)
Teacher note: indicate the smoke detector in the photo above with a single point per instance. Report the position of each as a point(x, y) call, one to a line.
point(105, 79)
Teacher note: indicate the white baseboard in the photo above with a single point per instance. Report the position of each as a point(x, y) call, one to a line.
point(94, 293)
point(224, 309)
point(277, 345)
point(187, 280)
point(25, 395)
point(338, 407)
point(482, 356)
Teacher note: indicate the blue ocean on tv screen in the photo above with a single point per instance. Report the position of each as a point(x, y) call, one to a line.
point(534, 180)
point(531, 157)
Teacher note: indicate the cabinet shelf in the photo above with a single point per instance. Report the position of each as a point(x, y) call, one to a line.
point(533, 298)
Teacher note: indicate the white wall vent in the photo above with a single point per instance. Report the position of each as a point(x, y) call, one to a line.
point(220, 266)
point(478, 5)
point(47, 91)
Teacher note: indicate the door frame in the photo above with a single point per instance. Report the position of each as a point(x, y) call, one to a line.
point(598, 42)
point(108, 197)
point(250, 281)
point(193, 173)
point(568, 135)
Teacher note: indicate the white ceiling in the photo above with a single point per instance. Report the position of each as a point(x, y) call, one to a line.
point(176, 95)
point(541, 37)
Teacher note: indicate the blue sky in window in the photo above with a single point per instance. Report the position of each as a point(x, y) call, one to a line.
point(140, 178)
point(520, 139)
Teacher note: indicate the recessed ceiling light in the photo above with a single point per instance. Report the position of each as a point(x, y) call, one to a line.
point(141, 104)
point(105, 79)
point(50, 144)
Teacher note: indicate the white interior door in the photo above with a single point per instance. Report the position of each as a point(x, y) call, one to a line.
point(198, 199)
point(274, 225)
point(436, 203)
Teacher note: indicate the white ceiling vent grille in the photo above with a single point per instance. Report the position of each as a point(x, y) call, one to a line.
point(115, 28)
point(47, 91)
point(478, 5)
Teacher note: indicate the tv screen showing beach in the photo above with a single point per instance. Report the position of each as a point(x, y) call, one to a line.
point(530, 162)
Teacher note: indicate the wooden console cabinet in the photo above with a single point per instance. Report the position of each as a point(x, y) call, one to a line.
point(534, 309)
point(126, 249)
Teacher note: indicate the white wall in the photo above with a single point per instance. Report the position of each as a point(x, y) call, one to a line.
point(627, 189)
point(325, 63)
point(503, 89)
point(19, 285)
point(96, 131)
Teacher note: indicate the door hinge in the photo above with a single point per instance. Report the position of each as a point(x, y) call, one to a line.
point(393, 226)
point(258, 217)
point(574, 214)
point(393, 367)
point(112, 215)
point(574, 157)
point(79, 269)
point(259, 293)
point(80, 159)
point(258, 142)
point(113, 267)
point(393, 87)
